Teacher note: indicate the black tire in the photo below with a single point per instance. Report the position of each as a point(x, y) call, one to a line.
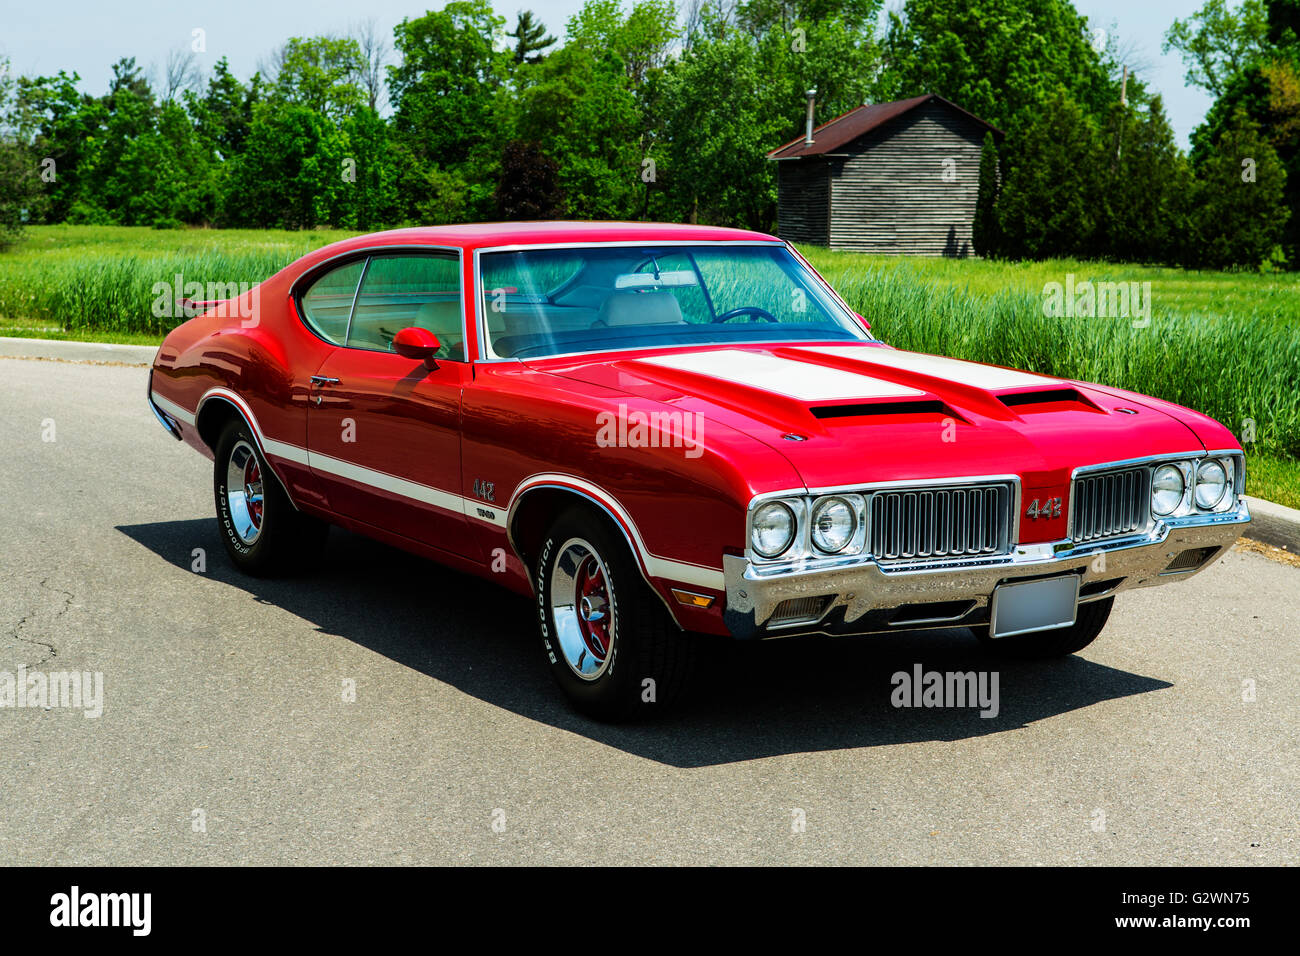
point(1061, 642)
point(286, 539)
point(644, 642)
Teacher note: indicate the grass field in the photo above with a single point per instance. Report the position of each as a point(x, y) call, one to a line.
point(1227, 344)
point(96, 282)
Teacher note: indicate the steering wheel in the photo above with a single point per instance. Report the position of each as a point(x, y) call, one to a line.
point(763, 314)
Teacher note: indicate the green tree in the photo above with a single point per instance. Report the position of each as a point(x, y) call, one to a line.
point(642, 38)
point(1147, 187)
point(63, 127)
point(322, 74)
point(21, 195)
point(985, 236)
point(445, 130)
point(223, 112)
point(1050, 204)
point(290, 174)
point(1263, 83)
point(732, 96)
point(1240, 200)
point(583, 114)
point(1218, 42)
point(530, 38)
point(528, 187)
point(999, 59)
point(368, 196)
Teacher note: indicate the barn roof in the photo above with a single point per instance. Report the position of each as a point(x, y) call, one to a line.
point(843, 129)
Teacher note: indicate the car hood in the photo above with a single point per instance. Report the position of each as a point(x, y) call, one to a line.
point(855, 413)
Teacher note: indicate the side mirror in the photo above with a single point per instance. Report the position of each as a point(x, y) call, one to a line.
point(863, 321)
point(416, 343)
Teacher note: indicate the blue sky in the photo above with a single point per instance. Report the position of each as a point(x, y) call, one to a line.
point(89, 35)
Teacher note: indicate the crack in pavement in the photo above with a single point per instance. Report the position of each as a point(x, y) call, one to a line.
point(17, 633)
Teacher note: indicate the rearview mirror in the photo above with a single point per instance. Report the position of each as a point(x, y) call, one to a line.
point(416, 343)
point(659, 280)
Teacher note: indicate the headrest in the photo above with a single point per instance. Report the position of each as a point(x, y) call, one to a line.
point(641, 308)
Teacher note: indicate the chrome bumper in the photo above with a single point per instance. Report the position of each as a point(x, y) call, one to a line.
point(859, 586)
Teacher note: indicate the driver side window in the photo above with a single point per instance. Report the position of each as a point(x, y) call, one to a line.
point(397, 291)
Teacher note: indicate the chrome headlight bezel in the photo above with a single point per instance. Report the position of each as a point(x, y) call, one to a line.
point(803, 547)
point(795, 508)
point(1182, 470)
point(1226, 493)
point(1189, 505)
point(855, 540)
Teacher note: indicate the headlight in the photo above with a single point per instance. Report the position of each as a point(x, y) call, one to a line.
point(772, 530)
point(1167, 487)
point(834, 522)
point(1211, 484)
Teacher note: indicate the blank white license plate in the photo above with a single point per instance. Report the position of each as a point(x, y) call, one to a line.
point(1034, 605)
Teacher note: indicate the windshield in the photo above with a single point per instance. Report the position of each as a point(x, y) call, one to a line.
point(540, 302)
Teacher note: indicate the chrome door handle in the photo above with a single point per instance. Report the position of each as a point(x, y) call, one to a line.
point(323, 380)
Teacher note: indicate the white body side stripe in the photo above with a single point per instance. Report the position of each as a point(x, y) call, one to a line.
point(678, 571)
point(657, 567)
point(172, 409)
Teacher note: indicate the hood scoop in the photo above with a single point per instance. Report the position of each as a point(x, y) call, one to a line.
point(1064, 399)
point(928, 408)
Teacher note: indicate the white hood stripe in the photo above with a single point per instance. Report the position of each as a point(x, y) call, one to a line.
point(956, 370)
point(803, 381)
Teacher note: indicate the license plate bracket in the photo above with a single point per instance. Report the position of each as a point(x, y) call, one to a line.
point(1023, 607)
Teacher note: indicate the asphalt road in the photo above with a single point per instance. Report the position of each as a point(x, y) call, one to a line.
point(224, 695)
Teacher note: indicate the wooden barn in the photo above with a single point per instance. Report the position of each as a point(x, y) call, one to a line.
point(894, 178)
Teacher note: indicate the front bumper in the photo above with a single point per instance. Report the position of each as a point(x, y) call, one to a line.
point(861, 596)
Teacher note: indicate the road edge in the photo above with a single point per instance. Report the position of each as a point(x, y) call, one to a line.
point(1273, 524)
point(65, 350)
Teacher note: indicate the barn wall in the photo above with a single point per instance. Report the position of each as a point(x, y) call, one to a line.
point(803, 200)
point(890, 196)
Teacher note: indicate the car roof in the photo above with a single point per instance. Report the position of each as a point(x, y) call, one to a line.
point(480, 235)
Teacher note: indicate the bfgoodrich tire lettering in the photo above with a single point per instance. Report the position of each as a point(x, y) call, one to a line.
point(609, 642)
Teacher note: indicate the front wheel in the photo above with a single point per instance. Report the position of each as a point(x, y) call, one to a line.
point(262, 531)
point(611, 645)
point(1059, 642)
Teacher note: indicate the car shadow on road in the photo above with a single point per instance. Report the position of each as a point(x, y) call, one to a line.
point(759, 700)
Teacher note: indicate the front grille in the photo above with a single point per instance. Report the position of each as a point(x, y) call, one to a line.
point(1110, 505)
point(968, 521)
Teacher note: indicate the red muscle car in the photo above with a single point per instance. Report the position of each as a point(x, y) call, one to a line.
point(657, 431)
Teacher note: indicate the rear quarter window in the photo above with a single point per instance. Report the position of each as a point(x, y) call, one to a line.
point(327, 303)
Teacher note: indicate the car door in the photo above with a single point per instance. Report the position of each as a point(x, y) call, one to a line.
point(383, 431)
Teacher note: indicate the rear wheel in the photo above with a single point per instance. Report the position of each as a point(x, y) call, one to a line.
point(1058, 642)
point(612, 646)
point(262, 531)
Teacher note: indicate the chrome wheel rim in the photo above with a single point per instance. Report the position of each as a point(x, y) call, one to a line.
point(244, 493)
point(582, 607)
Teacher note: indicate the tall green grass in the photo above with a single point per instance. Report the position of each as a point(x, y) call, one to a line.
point(102, 278)
point(1233, 367)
